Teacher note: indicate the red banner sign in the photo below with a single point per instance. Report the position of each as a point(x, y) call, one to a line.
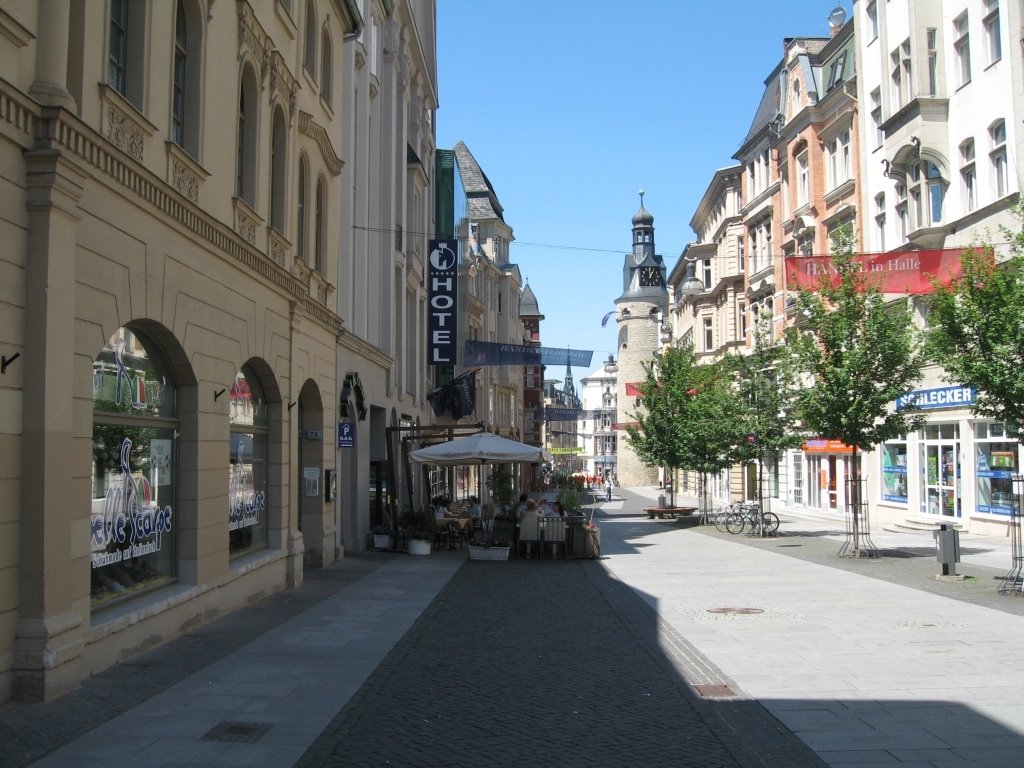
point(894, 272)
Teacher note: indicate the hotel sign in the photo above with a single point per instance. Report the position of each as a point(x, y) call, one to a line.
point(442, 279)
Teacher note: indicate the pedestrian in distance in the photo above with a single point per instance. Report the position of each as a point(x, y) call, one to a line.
point(608, 489)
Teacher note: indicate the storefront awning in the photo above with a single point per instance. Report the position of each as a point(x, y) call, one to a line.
point(821, 445)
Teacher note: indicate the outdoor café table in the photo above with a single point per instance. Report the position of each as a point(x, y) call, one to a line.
point(455, 528)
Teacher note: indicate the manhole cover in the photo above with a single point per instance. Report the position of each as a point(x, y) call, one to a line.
point(736, 611)
point(248, 733)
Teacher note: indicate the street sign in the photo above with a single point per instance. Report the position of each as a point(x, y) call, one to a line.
point(346, 435)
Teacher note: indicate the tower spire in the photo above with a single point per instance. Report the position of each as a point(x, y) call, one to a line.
point(569, 388)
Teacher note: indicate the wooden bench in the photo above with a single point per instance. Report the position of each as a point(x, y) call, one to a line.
point(669, 512)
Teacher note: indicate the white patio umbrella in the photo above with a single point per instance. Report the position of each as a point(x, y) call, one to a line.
point(481, 448)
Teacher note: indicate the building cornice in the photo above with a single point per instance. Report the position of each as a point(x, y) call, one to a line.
point(364, 349)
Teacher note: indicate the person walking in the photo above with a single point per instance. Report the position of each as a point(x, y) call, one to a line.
point(608, 489)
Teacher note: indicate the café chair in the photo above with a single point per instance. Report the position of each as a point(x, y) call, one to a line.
point(529, 534)
point(554, 534)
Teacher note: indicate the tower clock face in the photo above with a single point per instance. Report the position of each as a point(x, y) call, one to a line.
point(650, 276)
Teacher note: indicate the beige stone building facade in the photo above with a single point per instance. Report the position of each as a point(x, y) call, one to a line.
point(714, 322)
point(197, 291)
point(795, 184)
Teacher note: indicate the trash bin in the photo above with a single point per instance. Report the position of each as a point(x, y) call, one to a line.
point(947, 548)
point(661, 500)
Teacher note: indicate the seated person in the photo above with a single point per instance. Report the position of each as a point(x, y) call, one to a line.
point(441, 511)
point(559, 510)
point(521, 506)
point(530, 512)
point(475, 512)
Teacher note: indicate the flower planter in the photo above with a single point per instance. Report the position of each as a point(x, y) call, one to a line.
point(382, 541)
point(419, 547)
point(488, 553)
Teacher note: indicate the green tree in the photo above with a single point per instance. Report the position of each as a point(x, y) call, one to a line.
point(690, 417)
point(767, 386)
point(977, 327)
point(860, 353)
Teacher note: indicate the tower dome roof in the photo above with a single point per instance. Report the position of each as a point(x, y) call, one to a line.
point(642, 217)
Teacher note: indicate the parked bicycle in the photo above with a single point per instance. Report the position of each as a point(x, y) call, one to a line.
point(720, 516)
point(748, 516)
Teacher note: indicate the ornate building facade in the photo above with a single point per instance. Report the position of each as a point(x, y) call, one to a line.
point(198, 293)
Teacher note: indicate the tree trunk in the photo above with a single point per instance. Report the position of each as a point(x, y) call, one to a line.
point(855, 500)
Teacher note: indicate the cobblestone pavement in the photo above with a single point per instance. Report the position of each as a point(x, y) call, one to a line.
point(577, 663)
point(531, 663)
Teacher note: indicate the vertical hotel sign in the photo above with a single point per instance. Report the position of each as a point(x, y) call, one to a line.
point(442, 276)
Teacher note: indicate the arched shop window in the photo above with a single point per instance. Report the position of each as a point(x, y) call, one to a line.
point(134, 470)
point(247, 484)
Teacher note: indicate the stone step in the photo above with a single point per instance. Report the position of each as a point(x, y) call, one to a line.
point(920, 526)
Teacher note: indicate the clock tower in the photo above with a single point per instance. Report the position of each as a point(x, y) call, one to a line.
point(640, 312)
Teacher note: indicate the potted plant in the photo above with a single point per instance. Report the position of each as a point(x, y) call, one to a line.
point(487, 547)
point(419, 528)
point(570, 499)
point(382, 538)
point(500, 484)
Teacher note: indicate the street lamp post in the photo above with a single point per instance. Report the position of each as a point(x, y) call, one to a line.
point(690, 285)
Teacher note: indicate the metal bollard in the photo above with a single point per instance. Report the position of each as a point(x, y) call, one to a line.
point(947, 549)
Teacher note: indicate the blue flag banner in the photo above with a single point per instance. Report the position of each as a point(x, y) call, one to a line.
point(493, 353)
point(562, 414)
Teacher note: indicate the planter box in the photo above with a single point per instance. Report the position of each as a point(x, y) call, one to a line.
point(419, 547)
point(382, 541)
point(592, 542)
point(488, 553)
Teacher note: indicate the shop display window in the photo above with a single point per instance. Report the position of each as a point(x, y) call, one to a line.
point(247, 481)
point(997, 456)
point(134, 471)
point(894, 471)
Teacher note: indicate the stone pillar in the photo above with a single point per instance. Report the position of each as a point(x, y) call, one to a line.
point(54, 540)
point(50, 86)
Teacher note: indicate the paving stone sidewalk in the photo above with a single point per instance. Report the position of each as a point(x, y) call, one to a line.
point(30, 730)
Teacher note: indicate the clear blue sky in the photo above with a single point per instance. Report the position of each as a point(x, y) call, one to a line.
point(570, 107)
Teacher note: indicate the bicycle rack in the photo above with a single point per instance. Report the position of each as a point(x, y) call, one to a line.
point(858, 541)
point(1013, 582)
